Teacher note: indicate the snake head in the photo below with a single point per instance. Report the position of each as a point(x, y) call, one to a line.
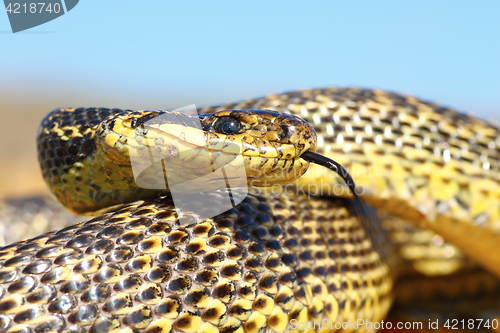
point(116, 156)
point(271, 142)
point(256, 147)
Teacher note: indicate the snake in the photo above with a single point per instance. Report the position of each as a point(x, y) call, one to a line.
point(275, 258)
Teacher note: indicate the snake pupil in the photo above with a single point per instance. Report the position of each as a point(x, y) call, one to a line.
point(228, 125)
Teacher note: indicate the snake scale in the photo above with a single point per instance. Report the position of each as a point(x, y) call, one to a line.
point(146, 267)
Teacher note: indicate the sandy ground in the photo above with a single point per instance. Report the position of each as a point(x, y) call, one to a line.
point(19, 171)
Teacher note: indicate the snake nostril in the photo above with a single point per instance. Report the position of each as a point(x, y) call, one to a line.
point(283, 132)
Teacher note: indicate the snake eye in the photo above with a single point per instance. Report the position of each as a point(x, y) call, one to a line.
point(228, 126)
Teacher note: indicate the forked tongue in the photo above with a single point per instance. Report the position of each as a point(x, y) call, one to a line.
point(332, 165)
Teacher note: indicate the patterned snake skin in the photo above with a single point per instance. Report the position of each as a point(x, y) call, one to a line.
point(428, 164)
point(273, 258)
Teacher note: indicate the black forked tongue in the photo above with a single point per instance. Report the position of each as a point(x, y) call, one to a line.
point(332, 165)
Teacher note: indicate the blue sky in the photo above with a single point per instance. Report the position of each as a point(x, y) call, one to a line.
point(164, 54)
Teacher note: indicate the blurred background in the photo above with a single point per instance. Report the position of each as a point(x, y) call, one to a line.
point(137, 54)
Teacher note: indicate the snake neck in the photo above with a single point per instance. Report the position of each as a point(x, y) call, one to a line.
point(72, 163)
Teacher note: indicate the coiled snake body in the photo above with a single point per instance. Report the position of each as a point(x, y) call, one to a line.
point(275, 257)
